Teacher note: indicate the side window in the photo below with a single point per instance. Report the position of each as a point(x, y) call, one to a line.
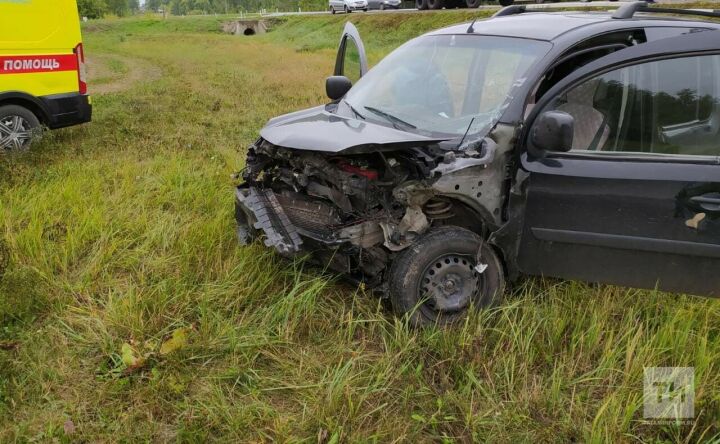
point(667, 107)
point(351, 62)
point(587, 51)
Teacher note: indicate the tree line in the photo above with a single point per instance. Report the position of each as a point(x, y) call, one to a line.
point(101, 8)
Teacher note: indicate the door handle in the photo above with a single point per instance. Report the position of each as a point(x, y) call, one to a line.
point(709, 202)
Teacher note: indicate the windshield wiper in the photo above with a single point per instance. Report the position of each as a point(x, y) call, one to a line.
point(352, 108)
point(389, 117)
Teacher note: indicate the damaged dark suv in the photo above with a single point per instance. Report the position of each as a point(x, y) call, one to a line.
point(580, 145)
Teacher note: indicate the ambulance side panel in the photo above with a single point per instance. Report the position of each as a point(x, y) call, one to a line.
point(37, 59)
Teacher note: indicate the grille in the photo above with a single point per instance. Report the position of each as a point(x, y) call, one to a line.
point(312, 216)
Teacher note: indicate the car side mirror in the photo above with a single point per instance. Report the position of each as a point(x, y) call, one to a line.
point(552, 131)
point(337, 86)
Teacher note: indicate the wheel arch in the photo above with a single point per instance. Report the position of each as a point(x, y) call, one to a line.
point(481, 220)
point(476, 218)
point(31, 103)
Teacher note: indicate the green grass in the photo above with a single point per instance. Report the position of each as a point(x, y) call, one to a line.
point(120, 233)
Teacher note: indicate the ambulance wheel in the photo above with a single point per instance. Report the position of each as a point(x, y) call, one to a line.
point(18, 126)
point(437, 279)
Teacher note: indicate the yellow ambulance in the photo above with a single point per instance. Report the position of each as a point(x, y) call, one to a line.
point(42, 70)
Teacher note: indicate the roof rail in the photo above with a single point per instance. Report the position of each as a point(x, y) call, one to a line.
point(510, 10)
point(628, 10)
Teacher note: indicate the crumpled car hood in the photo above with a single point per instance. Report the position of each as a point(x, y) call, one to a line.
point(316, 129)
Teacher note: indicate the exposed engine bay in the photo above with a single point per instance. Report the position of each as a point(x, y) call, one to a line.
point(353, 212)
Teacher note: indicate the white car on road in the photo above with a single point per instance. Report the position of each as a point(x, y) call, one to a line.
point(348, 5)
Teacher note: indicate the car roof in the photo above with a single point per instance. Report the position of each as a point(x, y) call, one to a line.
point(550, 26)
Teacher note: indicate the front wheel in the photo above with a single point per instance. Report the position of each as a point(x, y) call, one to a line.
point(473, 3)
point(18, 126)
point(437, 279)
point(422, 4)
point(435, 4)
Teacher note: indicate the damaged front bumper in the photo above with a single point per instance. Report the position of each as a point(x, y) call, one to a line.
point(353, 213)
point(292, 224)
point(263, 211)
point(259, 210)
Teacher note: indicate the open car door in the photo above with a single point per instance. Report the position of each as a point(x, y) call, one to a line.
point(635, 201)
point(351, 60)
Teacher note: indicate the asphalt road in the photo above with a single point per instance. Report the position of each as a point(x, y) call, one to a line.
point(491, 6)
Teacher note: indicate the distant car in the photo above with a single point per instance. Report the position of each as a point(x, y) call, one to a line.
point(384, 4)
point(348, 6)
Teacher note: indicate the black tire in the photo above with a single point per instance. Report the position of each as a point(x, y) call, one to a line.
point(20, 128)
point(452, 252)
point(332, 10)
point(473, 3)
point(504, 3)
point(421, 4)
point(435, 4)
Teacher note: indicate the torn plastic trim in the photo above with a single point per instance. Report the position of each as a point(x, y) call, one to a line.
point(400, 236)
point(271, 219)
point(451, 163)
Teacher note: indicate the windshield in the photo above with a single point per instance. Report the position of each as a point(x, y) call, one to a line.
point(439, 85)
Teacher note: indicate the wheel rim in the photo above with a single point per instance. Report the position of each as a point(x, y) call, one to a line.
point(14, 133)
point(449, 285)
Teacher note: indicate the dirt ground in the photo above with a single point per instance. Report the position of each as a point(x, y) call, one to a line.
point(110, 74)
